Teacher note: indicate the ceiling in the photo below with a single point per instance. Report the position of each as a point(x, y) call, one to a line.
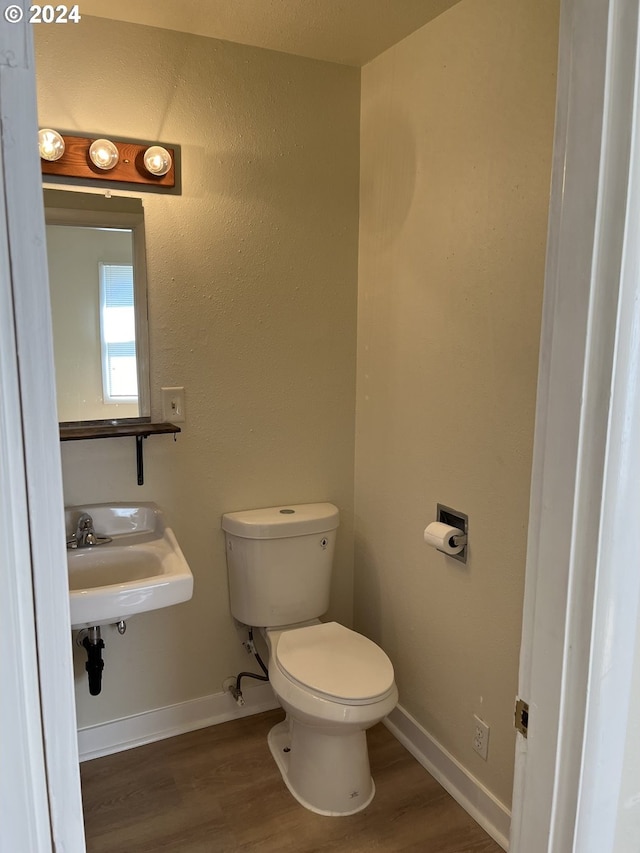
point(351, 32)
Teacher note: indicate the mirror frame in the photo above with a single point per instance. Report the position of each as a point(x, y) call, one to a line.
point(90, 210)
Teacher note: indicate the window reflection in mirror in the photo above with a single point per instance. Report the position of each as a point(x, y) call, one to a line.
point(98, 304)
point(118, 333)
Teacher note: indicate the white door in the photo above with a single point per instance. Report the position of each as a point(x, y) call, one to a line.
point(40, 803)
point(583, 582)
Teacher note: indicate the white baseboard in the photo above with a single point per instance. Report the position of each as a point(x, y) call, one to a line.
point(118, 735)
point(492, 815)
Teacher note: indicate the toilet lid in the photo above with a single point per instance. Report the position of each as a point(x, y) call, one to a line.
point(335, 661)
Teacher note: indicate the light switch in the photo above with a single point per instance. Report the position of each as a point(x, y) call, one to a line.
point(173, 405)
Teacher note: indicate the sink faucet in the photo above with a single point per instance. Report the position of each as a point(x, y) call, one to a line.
point(85, 536)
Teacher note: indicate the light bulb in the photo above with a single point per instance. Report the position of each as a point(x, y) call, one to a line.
point(103, 154)
point(157, 160)
point(50, 144)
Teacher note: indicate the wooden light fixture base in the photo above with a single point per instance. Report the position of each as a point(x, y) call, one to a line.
point(130, 168)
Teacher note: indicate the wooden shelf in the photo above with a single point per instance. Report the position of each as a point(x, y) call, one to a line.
point(83, 432)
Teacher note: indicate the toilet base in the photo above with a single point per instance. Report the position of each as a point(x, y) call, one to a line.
point(325, 770)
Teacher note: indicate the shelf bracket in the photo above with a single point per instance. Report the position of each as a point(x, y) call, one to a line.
point(140, 459)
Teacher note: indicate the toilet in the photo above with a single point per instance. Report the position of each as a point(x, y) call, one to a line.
point(333, 683)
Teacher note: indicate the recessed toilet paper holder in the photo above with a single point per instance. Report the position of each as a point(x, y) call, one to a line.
point(447, 515)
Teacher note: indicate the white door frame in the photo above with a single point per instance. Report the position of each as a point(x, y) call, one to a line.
point(39, 772)
point(580, 550)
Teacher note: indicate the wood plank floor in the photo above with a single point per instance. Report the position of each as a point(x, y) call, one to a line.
point(218, 790)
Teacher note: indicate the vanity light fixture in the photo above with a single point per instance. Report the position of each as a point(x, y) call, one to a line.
point(103, 154)
point(50, 144)
point(88, 159)
point(157, 160)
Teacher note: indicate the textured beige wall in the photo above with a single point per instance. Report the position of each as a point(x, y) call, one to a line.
point(252, 307)
point(456, 137)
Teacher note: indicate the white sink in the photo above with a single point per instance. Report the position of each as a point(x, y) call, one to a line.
point(141, 569)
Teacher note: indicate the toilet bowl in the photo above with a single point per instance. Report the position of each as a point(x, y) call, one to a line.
point(333, 684)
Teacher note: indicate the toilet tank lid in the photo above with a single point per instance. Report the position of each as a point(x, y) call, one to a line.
point(278, 522)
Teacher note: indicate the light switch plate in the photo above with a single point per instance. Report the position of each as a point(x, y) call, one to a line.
point(173, 405)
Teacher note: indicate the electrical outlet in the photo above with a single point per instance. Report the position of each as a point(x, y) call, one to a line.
point(173, 405)
point(480, 737)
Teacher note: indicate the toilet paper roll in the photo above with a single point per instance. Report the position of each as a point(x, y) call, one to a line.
point(441, 535)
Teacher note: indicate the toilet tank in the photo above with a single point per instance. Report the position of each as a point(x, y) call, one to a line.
point(279, 561)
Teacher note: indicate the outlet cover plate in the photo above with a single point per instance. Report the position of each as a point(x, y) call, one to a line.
point(480, 737)
point(173, 405)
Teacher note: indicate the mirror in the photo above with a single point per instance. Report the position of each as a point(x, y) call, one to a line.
point(97, 280)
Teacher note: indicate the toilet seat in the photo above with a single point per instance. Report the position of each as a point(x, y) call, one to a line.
point(335, 663)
